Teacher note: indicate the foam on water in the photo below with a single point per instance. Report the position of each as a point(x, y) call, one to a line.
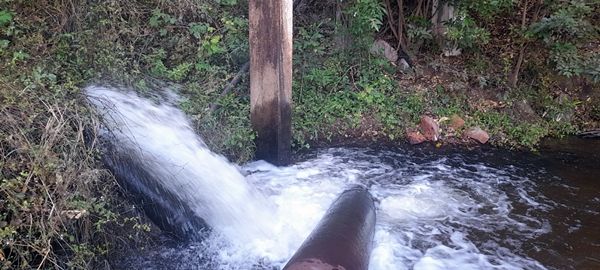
point(432, 213)
point(162, 138)
point(428, 212)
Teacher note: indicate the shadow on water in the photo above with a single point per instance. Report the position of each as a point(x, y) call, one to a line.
point(575, 239)
point(567, 174)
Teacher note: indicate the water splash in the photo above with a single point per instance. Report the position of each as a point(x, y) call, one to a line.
point(433, 212)
point(161, 138)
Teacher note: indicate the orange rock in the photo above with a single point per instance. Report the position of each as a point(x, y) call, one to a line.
point(456, 122)
point(415, 137)
point(430, 128)
point(477, 134)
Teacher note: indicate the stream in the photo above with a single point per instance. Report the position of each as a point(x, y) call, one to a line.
point(437, 208)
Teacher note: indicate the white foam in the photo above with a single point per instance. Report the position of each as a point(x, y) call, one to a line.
point(163, 139)
point(431, 213)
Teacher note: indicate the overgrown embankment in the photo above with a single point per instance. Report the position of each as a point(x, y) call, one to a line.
point(518, 70)
point(58, 207)
point(527, 69)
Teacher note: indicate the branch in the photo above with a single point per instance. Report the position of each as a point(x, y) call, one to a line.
point(401, 25)
point(230, 86)
point(391, 22)
point(514, 75)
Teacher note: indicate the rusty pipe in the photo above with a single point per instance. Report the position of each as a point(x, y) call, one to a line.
point(343, 238)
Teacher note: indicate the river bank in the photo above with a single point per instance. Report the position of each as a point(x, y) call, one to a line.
point(61, 208)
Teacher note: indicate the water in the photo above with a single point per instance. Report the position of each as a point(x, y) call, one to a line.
point(437, 209)
point(162, 138)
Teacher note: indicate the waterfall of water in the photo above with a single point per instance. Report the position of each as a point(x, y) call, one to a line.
point(159, 137)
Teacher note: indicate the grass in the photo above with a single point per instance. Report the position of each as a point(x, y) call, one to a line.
point(55, 201)
point(60, 209)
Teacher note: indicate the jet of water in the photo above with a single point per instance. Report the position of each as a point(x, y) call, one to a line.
point(161, 140)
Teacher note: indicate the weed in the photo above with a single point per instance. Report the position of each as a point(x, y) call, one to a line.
point(161, 21)
point(477, 65)
point(58, 208)
point(413, 105)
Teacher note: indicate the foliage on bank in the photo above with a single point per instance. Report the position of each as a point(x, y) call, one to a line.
point(60, 209)
point(522, 70)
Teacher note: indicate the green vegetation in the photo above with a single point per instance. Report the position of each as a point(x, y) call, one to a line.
point(60, 209)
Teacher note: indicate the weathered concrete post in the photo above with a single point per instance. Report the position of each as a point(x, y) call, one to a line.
point(271, 77)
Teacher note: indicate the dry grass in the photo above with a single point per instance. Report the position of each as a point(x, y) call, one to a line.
point(59, 209)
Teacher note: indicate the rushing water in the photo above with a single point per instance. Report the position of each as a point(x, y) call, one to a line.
point(436, 208)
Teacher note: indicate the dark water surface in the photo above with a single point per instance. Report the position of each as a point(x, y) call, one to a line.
point(437, 208)
point(574, 187)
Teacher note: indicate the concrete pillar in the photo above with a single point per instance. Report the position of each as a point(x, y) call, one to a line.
point(271, 78)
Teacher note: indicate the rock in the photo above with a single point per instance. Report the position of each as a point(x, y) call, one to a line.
point(403, 65)
point(452, 51)
point(456, 122)
point(521, 111)
point(567, 109)
point(380, 47)
point(430, 128)
point(590, 134)
point(415, 137)
point(477, 134)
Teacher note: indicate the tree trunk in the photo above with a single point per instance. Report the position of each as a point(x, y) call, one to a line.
point(514, 75)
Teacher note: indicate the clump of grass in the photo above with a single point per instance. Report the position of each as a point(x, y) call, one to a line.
point(58, 207)
point(56, 203)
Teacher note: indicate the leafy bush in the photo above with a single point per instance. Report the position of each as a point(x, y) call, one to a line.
point(464, 33)
point(418, 32)
point(486, 9)
point(366, 17)
point(565, 32)
point(6, 18)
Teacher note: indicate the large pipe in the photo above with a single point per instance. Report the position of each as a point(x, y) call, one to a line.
point(343, 238)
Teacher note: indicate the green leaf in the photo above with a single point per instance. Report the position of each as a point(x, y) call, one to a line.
point(4, 44)
point(19, 56)
point(5, 17)
point(228, 2)
point(198, 30)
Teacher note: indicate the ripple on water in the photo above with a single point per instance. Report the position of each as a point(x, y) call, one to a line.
point(434, 211)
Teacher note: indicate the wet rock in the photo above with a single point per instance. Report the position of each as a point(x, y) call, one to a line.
point(456, 122)
point(384, 49)
point(415, 137)
point(430, 128)
point(477, 134)
point(590, 134)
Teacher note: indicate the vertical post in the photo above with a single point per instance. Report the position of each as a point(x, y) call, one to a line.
point(270, 23)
